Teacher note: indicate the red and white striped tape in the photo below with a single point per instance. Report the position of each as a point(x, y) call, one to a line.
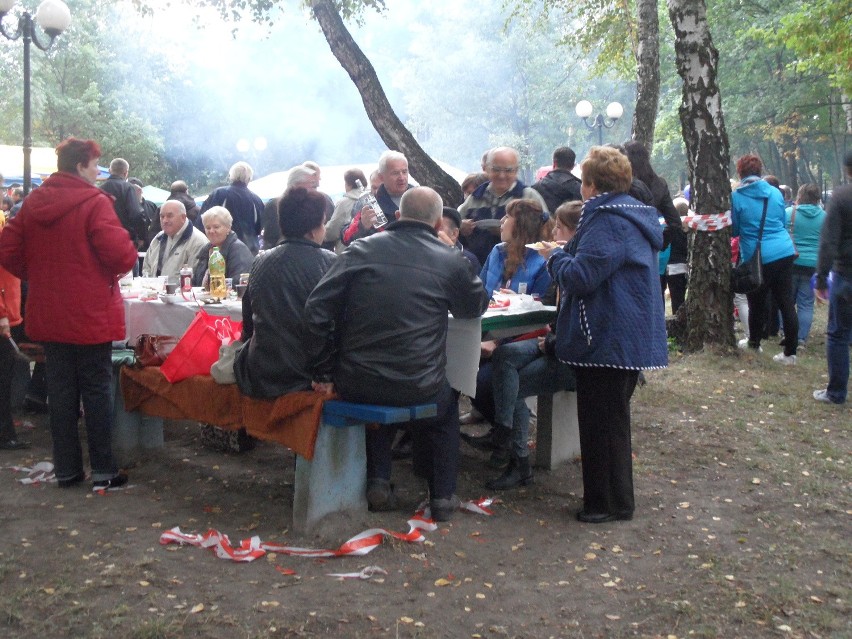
point(714, 222)
point(41, 473)
point(359, 545)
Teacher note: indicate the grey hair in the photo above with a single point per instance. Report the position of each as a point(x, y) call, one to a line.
point(422, 204)
point(217, 213)
point(311, 165)
point(299, 174)
point(119, 166)
point(389, 156)
point(171, 203)
point(489, 157)
point(240, 172)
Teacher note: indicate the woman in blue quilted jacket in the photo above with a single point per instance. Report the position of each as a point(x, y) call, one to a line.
point(611, 325)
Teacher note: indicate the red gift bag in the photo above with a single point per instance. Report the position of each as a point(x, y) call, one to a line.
point(198, 349)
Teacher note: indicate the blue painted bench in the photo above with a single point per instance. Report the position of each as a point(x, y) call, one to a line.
point(335, 480)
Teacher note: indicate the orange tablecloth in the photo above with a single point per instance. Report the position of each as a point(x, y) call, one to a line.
point(292, 419)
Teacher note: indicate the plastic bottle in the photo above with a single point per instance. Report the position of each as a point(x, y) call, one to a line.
point(216, 270)
point(367, 194)
point(186, 278)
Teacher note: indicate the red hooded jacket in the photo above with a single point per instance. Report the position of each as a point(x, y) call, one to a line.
point(68, 244)
point(10, 295)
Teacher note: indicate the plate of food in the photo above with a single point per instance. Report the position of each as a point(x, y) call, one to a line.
point(542, 246)
point(499, 305)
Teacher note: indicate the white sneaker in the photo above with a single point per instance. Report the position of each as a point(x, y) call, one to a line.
point(822, 396)
point(787, 360)
point(743, 343)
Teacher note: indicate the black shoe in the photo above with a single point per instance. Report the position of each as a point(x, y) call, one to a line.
point(518, 473)
point(109, 484)
point(73, 481)
point(602, 518)
point(14, 444)
point(443, 509)
point(481, 442)
point(380, 495)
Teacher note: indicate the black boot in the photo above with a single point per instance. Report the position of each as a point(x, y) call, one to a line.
point(501, 454)
point(517, 473)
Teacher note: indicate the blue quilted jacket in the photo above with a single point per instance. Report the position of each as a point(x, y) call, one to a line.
point(612, 313)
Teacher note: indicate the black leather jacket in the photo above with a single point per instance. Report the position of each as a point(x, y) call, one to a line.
point(378, 319)
point(274, 361)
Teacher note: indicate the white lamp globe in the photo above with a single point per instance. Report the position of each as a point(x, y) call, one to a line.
point(53, 16)
point(614, 110)
point(584, 108)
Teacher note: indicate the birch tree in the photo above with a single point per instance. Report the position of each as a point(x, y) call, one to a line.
point(708, 308)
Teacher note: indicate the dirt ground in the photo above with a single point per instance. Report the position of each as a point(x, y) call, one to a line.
point(742, 529)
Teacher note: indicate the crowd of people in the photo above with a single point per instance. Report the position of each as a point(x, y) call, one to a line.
point(341, 303)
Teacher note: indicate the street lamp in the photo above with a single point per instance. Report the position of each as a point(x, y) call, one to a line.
point(53, 17)
point(613, 111)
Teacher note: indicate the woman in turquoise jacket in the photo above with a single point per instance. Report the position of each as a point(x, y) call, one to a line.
point(510, 264)
point(804, 221)
point(777, 254)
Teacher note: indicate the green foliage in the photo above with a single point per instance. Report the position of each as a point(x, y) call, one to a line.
point(819, 32)
point(603, 29)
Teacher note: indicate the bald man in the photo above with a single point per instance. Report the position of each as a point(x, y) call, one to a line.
point(390, 346)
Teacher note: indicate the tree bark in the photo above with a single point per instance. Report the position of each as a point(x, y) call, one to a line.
point(389, 127)
point(647, 73)
point(709, 309)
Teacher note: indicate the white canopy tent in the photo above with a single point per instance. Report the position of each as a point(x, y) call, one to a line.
point(274, 184)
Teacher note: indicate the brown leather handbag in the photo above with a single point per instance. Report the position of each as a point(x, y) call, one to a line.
point(152, 350)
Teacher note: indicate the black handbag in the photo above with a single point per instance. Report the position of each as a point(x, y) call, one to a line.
point(747, 276)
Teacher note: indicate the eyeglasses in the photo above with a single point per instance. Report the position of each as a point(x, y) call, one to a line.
point(508, 170)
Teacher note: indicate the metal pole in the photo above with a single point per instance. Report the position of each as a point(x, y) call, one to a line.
point(599, 124)
point(28, 135)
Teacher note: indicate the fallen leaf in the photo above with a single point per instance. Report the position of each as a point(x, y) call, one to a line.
point(285, 571)
point(613, 617)
point(740, 604)
point(442, 582)
point(589, 556)
point(755, 481)
point(49, 591)
point(406, 620)
point(197, 608)
point(144, 583)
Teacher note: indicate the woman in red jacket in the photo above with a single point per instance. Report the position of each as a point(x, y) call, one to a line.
point(10, 315)
point(70, 247)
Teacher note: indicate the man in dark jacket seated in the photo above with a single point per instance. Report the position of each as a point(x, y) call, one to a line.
point(377, 332)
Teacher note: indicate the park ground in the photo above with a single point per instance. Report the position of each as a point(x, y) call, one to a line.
point(742, 529)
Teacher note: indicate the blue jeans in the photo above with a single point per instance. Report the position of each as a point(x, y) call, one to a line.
point(520, 370)
point(74, 371)
point(839, 335)
point(804, 295)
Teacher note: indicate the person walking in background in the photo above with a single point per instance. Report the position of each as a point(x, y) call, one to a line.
point(126, 203)
point(611, 325)
point(748, 202)
point(245, 207)
point(71, 248)
point(10, 317)
point(804, 221)
point(835, 256)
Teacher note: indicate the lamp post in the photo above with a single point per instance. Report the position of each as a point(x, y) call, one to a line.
point(53, 16)
point(614, 111)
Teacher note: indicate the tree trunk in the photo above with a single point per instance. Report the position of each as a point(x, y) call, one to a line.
point(709, 308)
point(647, 73)
point(392, 131)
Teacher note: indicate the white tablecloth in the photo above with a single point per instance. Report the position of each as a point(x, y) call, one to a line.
point(156, 318)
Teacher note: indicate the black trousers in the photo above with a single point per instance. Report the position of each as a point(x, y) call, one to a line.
point(603, 413)
point(435, 445)
point(777, 285)
point(7, 367)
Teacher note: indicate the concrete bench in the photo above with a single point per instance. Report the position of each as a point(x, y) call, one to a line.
point(557, 432)
point(335, 481)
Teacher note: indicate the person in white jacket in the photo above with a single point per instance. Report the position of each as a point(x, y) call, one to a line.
point(177, 244)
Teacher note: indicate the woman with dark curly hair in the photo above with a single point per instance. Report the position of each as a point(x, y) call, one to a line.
point(749, 201)
point(511, 265)
point(273, 361)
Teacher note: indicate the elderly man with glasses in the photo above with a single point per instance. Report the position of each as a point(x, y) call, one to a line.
point(484, 208)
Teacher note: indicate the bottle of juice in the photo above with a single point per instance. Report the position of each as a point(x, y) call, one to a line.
point(216, 270)
point(186, 278)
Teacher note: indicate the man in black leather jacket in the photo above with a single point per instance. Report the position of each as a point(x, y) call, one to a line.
point(560, 185)
point(377, 325)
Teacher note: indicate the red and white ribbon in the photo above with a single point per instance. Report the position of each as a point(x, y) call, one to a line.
point(714, 222)
point(41, 473)
point(359, 545)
